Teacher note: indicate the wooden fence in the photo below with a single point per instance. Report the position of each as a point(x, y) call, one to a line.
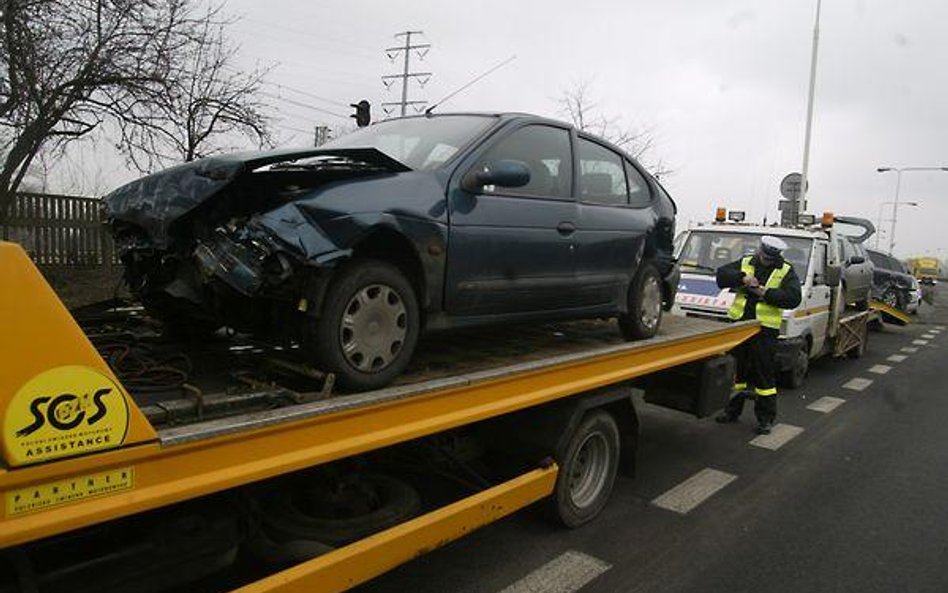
point(59, 230)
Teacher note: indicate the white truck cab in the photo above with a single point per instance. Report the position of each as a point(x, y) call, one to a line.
point(807, 331)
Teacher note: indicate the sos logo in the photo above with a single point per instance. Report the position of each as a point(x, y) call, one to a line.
point(65, 411)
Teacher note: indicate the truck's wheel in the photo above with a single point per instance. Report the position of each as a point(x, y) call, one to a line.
point(368, 328)
point(645, 304)
point(587, 470)
point(794, 377)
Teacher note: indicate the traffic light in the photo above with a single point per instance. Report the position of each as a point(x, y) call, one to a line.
point(362, 115)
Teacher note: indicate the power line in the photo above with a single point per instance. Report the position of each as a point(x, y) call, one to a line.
point(304, 105)
point(363, 49)
point(297, 44)
point(297, 90)
point(306, 94)
point(421, 50)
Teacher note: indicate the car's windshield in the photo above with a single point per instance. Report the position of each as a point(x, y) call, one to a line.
point(421, 143)
point(705, 251)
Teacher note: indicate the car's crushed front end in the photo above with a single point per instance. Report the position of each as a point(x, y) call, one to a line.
point(225, 240)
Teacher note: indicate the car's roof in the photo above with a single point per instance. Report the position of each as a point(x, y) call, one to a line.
point(753, 229)
point(502, 115)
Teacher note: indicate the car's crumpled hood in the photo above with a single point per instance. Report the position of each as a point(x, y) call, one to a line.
point(155, 201)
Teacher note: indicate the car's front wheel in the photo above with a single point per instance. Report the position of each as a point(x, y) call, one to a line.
point(645, 305)
point(892, 298)
point(369, 326)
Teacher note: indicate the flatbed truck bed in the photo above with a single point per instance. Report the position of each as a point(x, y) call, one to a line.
point(178, 447)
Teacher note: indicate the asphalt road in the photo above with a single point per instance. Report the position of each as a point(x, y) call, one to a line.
point(854, 500)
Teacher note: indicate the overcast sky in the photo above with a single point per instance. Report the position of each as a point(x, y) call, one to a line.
point(721, 83)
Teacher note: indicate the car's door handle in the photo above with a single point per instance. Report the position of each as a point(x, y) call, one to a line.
point(566, 228)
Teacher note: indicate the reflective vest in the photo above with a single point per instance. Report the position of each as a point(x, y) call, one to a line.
point(768, 315)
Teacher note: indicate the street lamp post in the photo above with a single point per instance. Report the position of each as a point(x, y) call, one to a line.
point(898, 184)
point(879, 217)
point(799, 203)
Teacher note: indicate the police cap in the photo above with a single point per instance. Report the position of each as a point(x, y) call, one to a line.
point(772, 246)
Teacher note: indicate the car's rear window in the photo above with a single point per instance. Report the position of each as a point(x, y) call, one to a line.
point(421, 143)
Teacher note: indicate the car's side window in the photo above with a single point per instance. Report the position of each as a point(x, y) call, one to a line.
point(639, 194)
point(602, 176)
point(545, 150)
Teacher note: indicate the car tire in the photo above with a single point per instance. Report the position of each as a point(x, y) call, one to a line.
point(892, 298)
point(588, 469)
point(368, 328)
point(795, 377)
point(645, 305)
point(289, 516)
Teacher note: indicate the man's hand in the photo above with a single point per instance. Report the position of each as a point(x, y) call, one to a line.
point(757, 290)
point(749, 281)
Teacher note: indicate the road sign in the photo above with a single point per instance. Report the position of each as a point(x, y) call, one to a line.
point(790, 186)
point(787, 205)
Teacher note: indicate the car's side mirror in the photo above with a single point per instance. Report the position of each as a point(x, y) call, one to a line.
point(832, 276)
point(504, 173)
point(856, 259)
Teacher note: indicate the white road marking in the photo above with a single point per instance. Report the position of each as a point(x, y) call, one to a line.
point(928, 336)
point(698, 488)
point(826, 404)
point(779, 436)
point(857, 383)
point(910, 350)
point(920, 342)
point(897, 358)
point(880, 369)
point(941, 327)
point(568, 572)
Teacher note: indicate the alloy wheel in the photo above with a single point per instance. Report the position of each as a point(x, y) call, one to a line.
point(651, 303)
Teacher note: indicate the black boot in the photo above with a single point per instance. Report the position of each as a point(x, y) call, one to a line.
point(732, 411)
point(765, 408)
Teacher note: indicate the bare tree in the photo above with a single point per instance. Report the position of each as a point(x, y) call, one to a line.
point(206, 106)
point(68, 66)
point(577, 104)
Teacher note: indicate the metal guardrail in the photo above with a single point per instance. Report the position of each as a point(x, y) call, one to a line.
point(57, 230)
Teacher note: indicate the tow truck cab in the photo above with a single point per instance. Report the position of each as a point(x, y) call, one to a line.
point(812, 250)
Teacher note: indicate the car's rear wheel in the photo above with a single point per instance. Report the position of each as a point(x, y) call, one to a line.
point(645, 305)
point(369, 326)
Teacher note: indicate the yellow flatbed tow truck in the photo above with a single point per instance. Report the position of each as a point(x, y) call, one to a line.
point(115, 478)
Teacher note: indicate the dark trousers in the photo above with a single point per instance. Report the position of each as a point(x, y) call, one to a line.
point(756, 377)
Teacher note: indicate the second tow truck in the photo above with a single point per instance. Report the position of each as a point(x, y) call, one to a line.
point(820, 325)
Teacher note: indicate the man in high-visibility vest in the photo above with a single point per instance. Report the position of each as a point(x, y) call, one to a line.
point(765, 285)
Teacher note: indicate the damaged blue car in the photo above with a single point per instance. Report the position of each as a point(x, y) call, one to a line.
point(434, 222)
